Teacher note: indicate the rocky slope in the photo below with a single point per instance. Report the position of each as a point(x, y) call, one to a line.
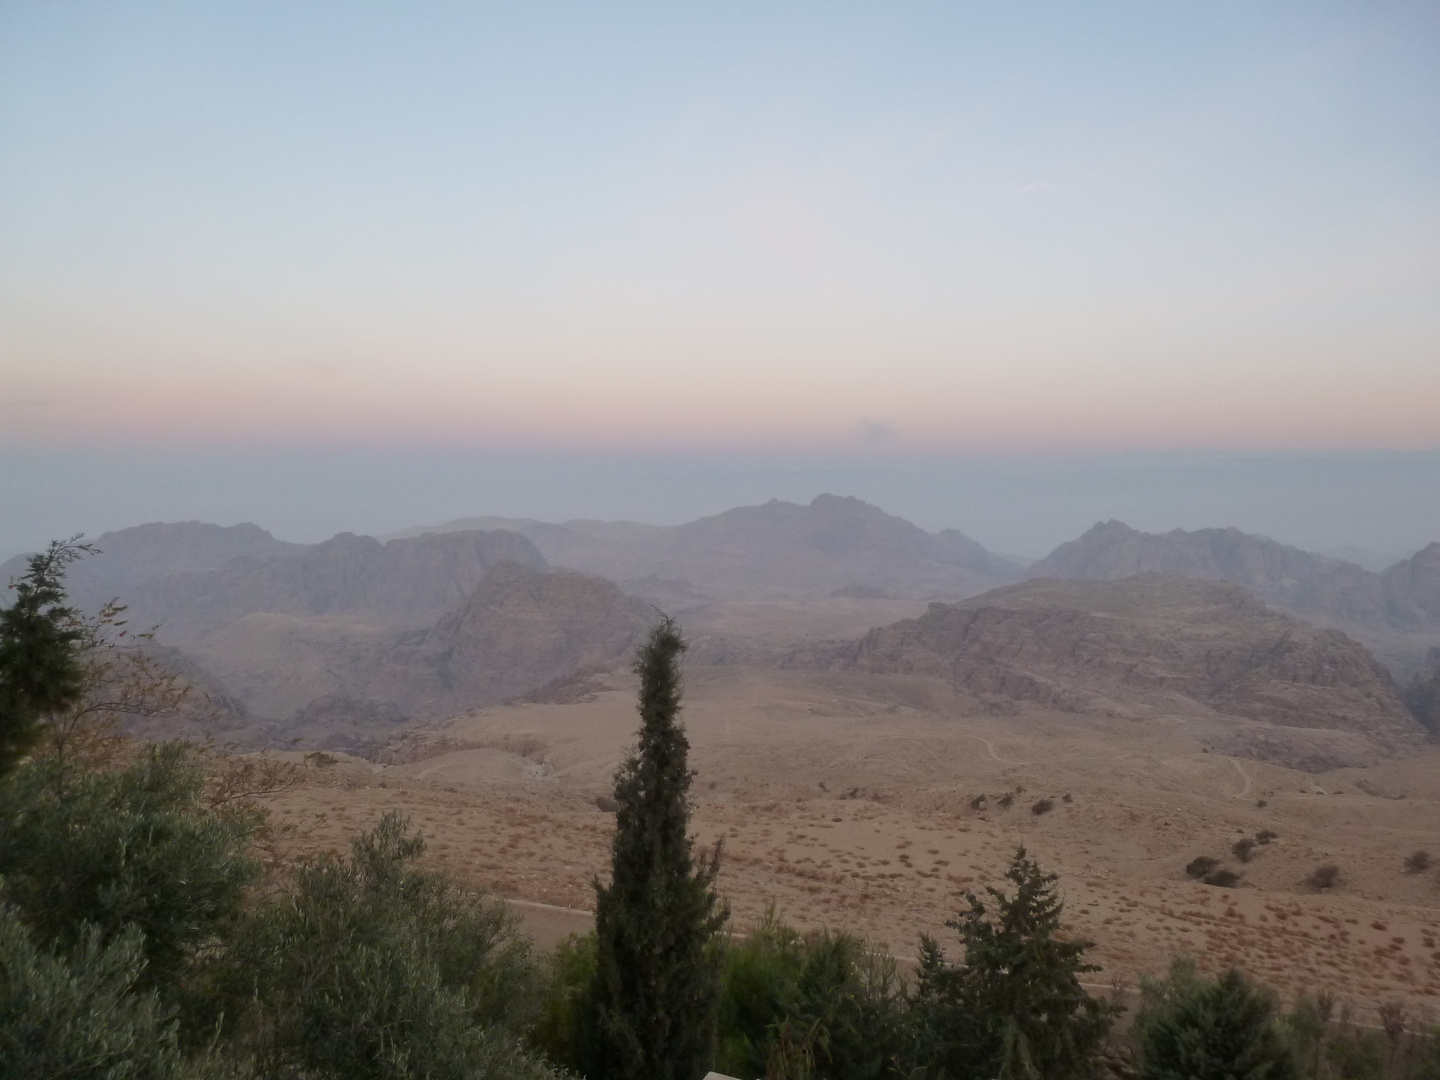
point(345, 681)
point(1156, 644)
point(1396, 614)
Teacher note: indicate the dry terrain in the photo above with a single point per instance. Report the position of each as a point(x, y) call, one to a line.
point(849, 799)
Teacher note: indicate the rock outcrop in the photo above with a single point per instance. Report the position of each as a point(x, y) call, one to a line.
point(1395, 614)
point(1152, 641)
point(518, 630)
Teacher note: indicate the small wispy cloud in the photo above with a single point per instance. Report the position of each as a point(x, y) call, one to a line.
point(1037, 188)
point(877, 431)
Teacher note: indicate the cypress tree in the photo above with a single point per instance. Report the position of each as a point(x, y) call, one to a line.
point(657, 980)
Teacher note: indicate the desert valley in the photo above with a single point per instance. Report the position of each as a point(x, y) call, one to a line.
point(878, 717)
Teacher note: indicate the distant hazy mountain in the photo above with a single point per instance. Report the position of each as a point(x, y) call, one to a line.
point(777, 549)
point(401, 581)
point(130, 557)
point(1163, 642)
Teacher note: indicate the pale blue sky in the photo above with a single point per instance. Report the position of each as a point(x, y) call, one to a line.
point(1095, 225)
point(900, 233)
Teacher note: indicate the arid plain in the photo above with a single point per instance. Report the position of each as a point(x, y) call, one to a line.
point(873, 802)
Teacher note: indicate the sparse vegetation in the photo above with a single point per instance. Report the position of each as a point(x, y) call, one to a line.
point(1243, 849)
point(1324, 877)
point(1042, 806)
point(1265, 836)
point(1225, 879)
point(1417, 862)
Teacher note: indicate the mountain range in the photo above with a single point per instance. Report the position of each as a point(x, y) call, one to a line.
point(357, 634)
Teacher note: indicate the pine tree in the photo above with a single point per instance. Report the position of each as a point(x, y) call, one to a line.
point(40, 643)
point(1014, 1006)
point(657, 982)
point(1193, 1028)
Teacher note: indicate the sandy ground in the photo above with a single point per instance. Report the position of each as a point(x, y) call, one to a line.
point(850, 800)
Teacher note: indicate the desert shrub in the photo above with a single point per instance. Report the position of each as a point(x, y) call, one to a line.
point(1193, 1028)
point(1066, 797)
point(128, 848)
point(81, 1015)
point(1417, 862)
point(1200, 866)
point(1014, 1005)
point(1243, 849)
point(372, 969)
point(1264, 836)
point(977, 803)
point(1042, 806)
point(1225, 879)
point(1323, 877)
point(1006, 800)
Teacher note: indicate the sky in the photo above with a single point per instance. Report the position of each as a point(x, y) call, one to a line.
point(587, 248)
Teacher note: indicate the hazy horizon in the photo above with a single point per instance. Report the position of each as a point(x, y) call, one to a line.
point(1379, 501)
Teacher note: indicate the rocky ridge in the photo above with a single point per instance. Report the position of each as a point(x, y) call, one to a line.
point(1155, 644)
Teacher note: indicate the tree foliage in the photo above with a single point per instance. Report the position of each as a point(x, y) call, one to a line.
point(373, 970)
point(656, 987)
point(122, 850)
point(823, 1005)
point(41, 639)
point(1193, 1028)
point(1013, 1006)
point(83, 1015)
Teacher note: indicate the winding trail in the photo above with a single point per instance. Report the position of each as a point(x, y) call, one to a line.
point(1243, 776)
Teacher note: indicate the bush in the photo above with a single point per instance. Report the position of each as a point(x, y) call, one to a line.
point(823, 1004)
point(1324, 877)
point(1193, 1028)
point(1006, 800)
point(371, 969)
point(558, 1032)
point(1200, 866)
point(1225, 879)
point(130, 848)
point(1042, 806)
point(1417, 862)
point(1264, 836)
point(1243, 849)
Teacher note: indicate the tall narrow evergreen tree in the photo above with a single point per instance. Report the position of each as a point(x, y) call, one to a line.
point(657, 981)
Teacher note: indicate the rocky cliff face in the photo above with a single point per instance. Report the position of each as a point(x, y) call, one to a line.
point(1157, 641)
point(404, 580)
point(1412, 590)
